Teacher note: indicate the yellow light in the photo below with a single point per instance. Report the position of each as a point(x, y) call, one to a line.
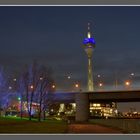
point(89, 36)
point(100, 84)
point(53, 86)
point(76, 85)
point(127, 83)
point(74, 104)
point(98, 105)
point(31, 86)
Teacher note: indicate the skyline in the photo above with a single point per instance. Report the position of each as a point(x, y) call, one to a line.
point(54, 35)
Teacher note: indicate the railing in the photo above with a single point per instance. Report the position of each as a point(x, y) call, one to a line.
point(127, 125)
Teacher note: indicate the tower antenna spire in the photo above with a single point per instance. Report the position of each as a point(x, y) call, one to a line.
point(88, 26)
point(89, 34)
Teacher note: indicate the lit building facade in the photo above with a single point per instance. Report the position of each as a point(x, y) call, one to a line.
point(103, 110)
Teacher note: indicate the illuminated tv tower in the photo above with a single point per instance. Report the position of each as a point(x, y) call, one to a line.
point(89, 45)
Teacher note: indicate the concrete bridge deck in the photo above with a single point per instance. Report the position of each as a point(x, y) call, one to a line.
point(100, 96)
point(82, 100)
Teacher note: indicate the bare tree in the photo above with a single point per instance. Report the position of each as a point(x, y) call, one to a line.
point(44, 89)
point(31, 81)
point(27, 87)
point(36, 83)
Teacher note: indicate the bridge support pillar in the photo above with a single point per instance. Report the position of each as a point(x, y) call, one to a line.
point(82, 107)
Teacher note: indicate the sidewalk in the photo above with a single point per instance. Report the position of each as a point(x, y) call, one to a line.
point(91, 128)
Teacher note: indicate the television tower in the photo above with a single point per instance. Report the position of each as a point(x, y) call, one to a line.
point(89, 45)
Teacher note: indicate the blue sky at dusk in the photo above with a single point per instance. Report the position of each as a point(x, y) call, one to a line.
point(53, 36)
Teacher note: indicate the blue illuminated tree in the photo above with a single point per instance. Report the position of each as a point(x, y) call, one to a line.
point(3, 89)
point(6, 94)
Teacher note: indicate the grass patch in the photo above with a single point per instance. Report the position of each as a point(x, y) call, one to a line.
point(17, 125)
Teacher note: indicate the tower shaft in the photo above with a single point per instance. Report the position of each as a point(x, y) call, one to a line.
point(90, 75)
point(89, 45)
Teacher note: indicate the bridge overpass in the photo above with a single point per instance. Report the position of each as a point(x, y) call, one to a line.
point(100, 96)
point(83, 99)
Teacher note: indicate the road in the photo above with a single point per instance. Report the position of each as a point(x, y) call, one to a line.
point(92, 128)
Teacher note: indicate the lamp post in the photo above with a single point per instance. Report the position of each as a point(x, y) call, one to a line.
point(14, 79)
point(69, 77)
point(132, 76)
point(127, 84)
point(53, 86)
point(77, 86)
point(116, 80)
point(32, 87)
point(20, 106)
point(68, 83)
point(100, 84)
point(41, 78)
point(10, 87)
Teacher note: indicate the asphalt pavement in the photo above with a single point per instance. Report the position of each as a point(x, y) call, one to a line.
point(92, 129)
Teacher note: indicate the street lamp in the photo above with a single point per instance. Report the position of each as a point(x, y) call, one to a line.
point(68, 77)
point(100, 84)
point(127, 83)
point(31, 86)
point(20, 105)
point(53, 86)
point(67, 81)
point(14, 79)
point(132, 74)
point(77, 85)
point(41, 78)
point(10, 87)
